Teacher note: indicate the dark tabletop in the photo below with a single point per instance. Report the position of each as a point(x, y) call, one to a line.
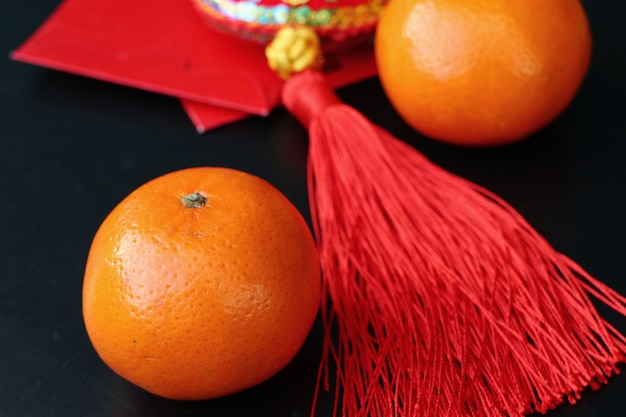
point(71, 148)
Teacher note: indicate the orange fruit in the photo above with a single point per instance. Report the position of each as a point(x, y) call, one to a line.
point(206, 298)
point(481, 72)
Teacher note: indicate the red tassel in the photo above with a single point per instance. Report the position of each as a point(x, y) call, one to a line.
point(445, 300)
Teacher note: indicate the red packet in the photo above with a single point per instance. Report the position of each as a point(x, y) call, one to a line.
point(165, 47)
point(351, 66)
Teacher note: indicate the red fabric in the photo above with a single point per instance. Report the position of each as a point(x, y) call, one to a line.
point(445, 300)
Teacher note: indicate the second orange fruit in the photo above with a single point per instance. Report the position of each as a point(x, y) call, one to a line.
point(482, 72)
point(201, 283)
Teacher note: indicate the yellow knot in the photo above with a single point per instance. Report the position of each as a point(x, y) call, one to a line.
point(294, 49)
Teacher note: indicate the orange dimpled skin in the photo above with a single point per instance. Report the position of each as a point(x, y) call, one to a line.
point(481, 72)
point(202, 301)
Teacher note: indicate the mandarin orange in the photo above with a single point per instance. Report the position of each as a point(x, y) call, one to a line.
point(201, 283)
point(481, 72)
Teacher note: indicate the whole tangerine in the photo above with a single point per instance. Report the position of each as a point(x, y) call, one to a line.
point(481, 72)
point(201, 283)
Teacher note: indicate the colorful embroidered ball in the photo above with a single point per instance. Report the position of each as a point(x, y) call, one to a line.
point(338, 23)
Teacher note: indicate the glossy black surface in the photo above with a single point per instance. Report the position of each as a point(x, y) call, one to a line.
point(71, 148)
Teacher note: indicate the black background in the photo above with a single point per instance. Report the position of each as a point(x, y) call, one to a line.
point(71, 148)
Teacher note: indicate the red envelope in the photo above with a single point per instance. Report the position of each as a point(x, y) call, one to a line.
point(164, 46)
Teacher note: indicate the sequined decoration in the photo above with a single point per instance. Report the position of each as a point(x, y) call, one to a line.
point(296, 12)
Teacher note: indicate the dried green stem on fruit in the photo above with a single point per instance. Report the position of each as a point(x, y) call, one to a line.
point(194, 200)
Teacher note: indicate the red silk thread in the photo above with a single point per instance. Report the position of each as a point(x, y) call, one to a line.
point(311, 85)
point(446, 302)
